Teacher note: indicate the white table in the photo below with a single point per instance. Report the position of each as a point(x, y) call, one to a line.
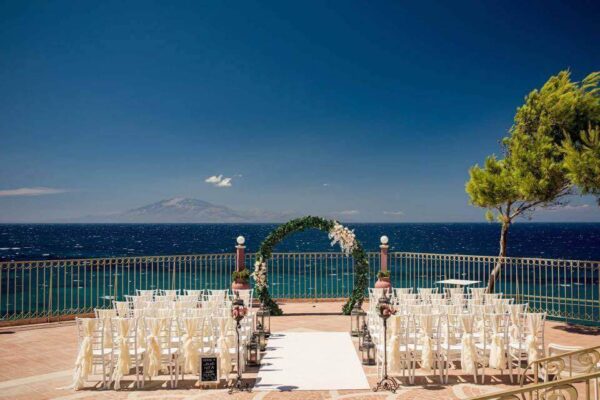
point(458, 282)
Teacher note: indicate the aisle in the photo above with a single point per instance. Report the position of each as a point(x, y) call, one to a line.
point(311, 361)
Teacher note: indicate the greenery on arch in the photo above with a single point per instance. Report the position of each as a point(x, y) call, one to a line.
point(361, 264)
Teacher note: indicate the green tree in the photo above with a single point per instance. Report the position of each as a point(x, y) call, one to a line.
point(582, 161)
point(533, 172)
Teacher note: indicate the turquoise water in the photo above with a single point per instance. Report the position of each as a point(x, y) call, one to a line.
point(68, 287)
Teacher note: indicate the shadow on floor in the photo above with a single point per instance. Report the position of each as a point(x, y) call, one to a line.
point(579, 329)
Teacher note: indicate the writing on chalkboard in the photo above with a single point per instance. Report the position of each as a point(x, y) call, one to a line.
point(209, 369)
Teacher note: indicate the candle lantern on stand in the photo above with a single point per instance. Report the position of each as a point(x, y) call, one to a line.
point(252, 352)
point(357, 319)
point(238, 312)
point(368, 350)
point(361, 337)
point(263, 319)
point(385, 311)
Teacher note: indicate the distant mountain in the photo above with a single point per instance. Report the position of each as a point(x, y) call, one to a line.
point(184, 210)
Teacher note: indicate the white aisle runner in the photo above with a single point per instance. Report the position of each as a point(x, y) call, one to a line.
point(311, 361)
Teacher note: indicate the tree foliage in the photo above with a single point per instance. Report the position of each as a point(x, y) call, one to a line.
point(545, 154)
point(582, 162)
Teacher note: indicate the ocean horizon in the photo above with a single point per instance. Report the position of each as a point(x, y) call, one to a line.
point(39, 241)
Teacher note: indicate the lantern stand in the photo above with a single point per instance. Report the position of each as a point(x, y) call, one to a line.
point(252, 351)
point(368, 350)
point(263, 319)
point(361, 337)
point(237, 385)
point(357, 318)
point(387, 382)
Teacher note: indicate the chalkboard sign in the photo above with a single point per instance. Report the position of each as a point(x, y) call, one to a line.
point(209, 368)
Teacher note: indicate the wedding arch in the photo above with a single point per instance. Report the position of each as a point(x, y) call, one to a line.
point(338, 235)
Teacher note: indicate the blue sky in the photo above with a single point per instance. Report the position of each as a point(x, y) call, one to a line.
point(371, 111)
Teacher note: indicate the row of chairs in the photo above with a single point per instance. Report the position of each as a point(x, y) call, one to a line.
point(499, 335)
point(160, 335)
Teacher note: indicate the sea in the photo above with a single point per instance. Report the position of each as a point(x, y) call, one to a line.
point(576, 241)
point(64, 289)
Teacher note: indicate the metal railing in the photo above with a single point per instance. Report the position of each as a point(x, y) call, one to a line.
point(563, 365)
point(565, 289)
point(579, 387)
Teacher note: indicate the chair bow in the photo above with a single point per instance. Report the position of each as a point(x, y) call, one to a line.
point(497, 353)
point(394, 363)
point(467, 356)
point(122, 367)
point(223, 349)
point(83, 364)
point(153, 346)
point(190, 347)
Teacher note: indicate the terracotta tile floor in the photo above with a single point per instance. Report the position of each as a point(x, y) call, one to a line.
point(36, 363)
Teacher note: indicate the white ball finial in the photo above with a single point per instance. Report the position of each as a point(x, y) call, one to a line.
point(241, 240)
point(384, 239)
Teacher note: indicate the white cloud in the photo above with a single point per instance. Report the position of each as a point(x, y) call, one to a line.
point(225, 182)
point(214, 179)
point(219, 181)
point(34, 191)
point(326, 184)
point(396, 213)
point(348, 212)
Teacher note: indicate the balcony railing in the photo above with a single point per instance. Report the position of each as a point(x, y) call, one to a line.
point(579, 387)
point(566, 289)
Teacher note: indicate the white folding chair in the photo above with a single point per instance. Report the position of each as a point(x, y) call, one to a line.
point(93, 351)
point(128, 351)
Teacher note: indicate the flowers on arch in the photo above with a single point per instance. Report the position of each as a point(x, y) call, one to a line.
point(344, 236)
point(260, 273)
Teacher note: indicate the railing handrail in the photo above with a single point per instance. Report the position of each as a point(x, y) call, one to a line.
point(33, 288)
point(512, 393)
point(538, 364)
point(395, 253)
point(562, 260)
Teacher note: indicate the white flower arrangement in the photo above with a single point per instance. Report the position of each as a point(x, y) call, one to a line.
point(260, 273)
point(344, 236)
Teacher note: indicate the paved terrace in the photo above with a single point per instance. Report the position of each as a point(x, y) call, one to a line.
point(37, 361)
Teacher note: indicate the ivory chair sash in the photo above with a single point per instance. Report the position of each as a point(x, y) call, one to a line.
point(535, 325)
point(88, 328)
point(192, 342)
point(468, 357)
point(122, 328)
point(223, 348)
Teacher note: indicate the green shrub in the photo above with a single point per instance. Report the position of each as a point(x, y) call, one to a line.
point(383, 274)
point(243, 275)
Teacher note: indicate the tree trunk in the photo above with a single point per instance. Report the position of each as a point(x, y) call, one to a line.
point(498, 267)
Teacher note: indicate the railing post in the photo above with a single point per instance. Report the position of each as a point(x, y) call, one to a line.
point(50, 293)
point(240, 256)
point(383, 253)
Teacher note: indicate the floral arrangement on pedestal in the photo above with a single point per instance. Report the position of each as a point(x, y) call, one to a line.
point(338, 234)
point(240, 279)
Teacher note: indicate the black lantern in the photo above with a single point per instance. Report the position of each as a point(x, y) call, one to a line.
point(238, 313)
point(357, 319)
point(361, 337)
point(385, 311)
point(368, 350)
point(262, 337)
point(263, 318)
point(252, 355)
